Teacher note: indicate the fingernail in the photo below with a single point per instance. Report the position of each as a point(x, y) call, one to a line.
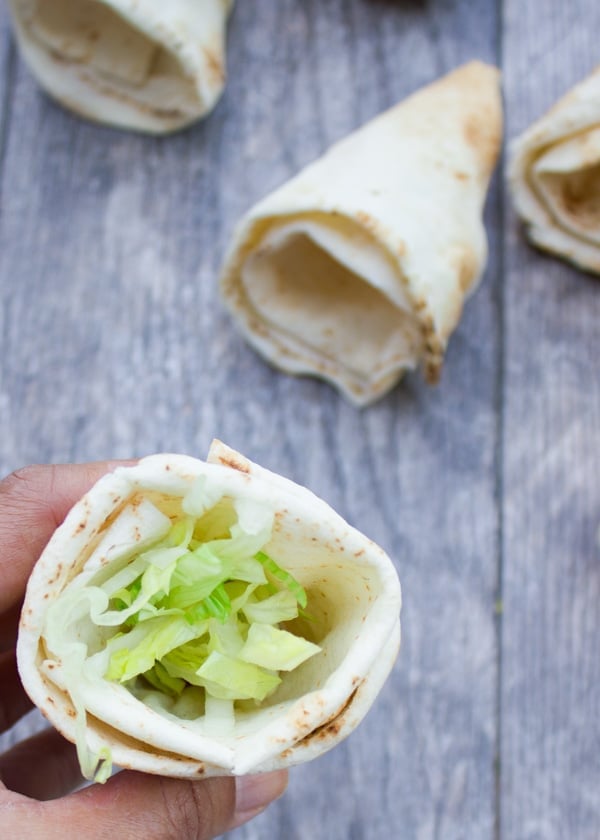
point(254, 793)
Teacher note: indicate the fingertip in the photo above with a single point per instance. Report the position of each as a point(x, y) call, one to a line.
point(34, 500)
point(41, 767)
point(254, 793)
point(135, 804)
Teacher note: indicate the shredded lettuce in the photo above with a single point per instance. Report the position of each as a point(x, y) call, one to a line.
point(195, 617)
point(232, 679)
point(284, 577)
point(219, 715)
point(282, 606)
point(159, 678)
point(276, 649)
point(135, 652)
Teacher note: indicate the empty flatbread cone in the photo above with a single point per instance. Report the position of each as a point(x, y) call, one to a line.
point(140, 64)
point(356, 270)
point(195, 618)
point(554, 176)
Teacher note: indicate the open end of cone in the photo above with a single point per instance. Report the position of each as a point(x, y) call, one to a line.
point(322, 291)
point(89, 34)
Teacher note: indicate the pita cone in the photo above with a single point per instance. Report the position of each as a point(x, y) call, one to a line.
point(231, 545)
point(356, 270)
point(554, 176)
point(138, 64)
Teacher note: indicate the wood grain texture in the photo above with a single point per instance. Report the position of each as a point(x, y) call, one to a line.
point(113, 343)
point(7, 63)
point(551, 477)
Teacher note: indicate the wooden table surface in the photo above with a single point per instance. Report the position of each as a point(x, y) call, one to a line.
point(485, 490)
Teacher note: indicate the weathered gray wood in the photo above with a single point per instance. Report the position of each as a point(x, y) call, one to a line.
point(422, 763)
point(7, 62)
point(113, 343)
point(551, 443)
point(116, 345)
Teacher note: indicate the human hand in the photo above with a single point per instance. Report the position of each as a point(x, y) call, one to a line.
point(37, 775)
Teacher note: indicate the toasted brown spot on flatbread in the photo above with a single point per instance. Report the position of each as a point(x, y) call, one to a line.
point(482, 133)
point(230, 460)
point(432, 373)
point(333, 725)
point(215, 66)
point(465, 263)
point(57, 574)
point(367, 221)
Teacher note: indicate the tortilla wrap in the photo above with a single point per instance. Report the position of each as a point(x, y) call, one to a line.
point(554, 176)
point(139, 64)
point(356, 269)
point(353, 615)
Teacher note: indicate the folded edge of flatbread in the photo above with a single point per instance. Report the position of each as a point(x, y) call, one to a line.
point(356, 269)
point(353, 605)
point(143, 65)
point(554, 176)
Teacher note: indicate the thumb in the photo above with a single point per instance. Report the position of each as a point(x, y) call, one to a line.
point(133, 805)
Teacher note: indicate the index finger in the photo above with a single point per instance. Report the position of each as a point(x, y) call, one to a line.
point(33, 503)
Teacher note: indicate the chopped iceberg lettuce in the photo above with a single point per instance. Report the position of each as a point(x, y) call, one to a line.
point(232, 679)
point(284, 577)
point(194, 616)
point(276, 649)
point(200, 611)
point(282, 606)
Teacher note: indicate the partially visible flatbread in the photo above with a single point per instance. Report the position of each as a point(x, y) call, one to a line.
point(353, 605)
point(554, 175)
point(141, 64)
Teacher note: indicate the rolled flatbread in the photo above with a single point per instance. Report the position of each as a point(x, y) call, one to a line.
point(554, 176)
point(140, 64)
point(193, 618)
point(356, 269)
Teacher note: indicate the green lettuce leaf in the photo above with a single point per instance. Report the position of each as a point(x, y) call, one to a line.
point(276, 649)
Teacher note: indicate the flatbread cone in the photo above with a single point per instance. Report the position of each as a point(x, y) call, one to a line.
point(140, 64)
point(554, 176)
point(350, 623)
point(356, 270)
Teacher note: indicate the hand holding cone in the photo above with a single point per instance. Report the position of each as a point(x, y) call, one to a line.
point(115, 668)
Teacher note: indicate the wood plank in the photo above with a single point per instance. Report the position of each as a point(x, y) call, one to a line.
point(7, 69)
point(7, 61)
point(551, 574)
point(116, 344)
point(405, 471)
